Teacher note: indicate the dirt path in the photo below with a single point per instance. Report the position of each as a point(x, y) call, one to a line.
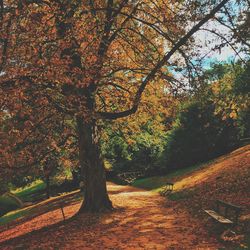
point(142, 220)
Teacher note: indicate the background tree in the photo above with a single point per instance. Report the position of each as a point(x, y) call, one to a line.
point(213, 120)
point(49, 168)
point(135, 143)
point(198, 135)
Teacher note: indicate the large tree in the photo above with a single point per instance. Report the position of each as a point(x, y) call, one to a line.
point(86, 61)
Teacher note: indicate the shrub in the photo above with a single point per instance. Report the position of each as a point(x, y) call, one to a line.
point(197, 136)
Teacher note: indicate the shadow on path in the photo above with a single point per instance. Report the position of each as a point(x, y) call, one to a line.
point(141, 220)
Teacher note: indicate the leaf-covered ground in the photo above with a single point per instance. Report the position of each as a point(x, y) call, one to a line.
point(143, 219)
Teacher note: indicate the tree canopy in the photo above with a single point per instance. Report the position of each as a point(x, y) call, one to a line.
point(66, 65)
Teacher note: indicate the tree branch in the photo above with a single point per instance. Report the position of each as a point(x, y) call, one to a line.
point(152, 74)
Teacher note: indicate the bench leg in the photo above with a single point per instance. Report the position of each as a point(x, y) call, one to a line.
point(63, 213)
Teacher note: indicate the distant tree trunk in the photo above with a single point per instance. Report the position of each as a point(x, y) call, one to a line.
point(92, 168)
point(76, 177)
point(47, 186)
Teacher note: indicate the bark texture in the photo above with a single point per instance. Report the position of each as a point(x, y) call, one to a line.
point(92, 168)
point(48, 186)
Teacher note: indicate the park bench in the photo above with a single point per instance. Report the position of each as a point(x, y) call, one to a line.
point(225, 213)
point(168, 188)
point(129, 177)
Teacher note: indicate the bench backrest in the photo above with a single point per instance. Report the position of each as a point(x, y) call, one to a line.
point(170, 185)
point(228, 210)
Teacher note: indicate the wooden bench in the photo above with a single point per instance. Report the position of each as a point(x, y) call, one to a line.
point(168, 188)
point(129, 177)
point(225, 213)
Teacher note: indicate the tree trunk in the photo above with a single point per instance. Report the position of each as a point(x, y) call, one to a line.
point(47, 186)
point(92, 168)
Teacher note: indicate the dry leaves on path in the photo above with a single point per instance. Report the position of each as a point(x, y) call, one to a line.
point(141, 220)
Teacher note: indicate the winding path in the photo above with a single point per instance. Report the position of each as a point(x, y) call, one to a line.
point(141, 220)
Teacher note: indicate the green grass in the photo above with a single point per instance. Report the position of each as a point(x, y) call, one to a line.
point(37, 208)
point(13, 216)
point(181, 195)
point(7, 204)
point(157, 182)
point(32, 192)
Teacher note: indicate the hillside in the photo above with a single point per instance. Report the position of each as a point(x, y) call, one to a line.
point(143, 219)
point(226, 178)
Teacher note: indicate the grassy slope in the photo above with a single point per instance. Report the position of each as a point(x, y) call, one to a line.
point(39, 208)
point(196, 188)
point(234, 166)
point(26, 194)
point(156, 183)
point(7, 204)
point(226, 178)
point(34, 194)
point(31, 192)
